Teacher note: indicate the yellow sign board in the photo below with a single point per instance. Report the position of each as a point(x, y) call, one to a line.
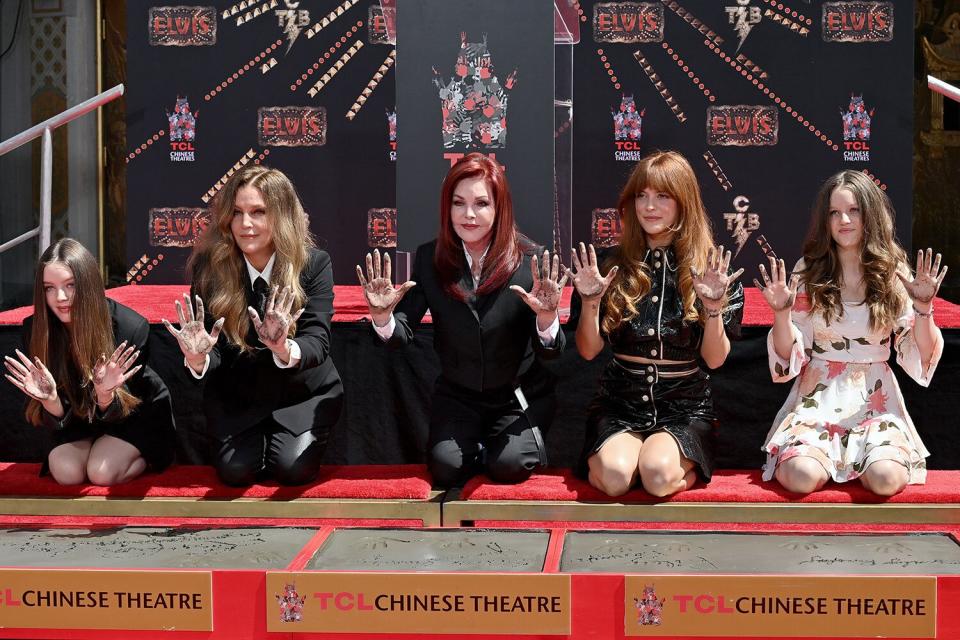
point(95, 599)
point(782, 606)
point(418, 603)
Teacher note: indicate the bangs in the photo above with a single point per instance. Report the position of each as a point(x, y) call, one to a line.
point(655, 176)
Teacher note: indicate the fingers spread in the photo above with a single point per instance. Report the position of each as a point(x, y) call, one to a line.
point(376, 263)
point(736, 274)
point(369, 261)
point(757, 284)
point(216, 329)
point(200, 313)
point(592, 255)
point(254, 318)
point(611, 275)
point(363, 281)
point(387, 267)
point(166, 323)
point(180, 317)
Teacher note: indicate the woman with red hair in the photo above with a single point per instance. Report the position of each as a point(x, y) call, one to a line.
point(493, 398)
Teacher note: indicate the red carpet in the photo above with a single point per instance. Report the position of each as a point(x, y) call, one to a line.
point(399, 482)
point(156, 301)
point(727, 486)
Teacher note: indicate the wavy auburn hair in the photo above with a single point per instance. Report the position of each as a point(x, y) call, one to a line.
point(217, 266)
point(70, 351)
point(667, 172)
point(881, 255)
point(505, 251)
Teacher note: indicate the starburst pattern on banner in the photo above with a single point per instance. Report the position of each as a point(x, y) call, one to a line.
point(787, 11)
point(875, 179)
point(662, 88)
point(250, 64)
point(143, 146)
point(717, 170)
point(330, 17)
point(340, 64)
point(786, 22)
point(372, 85)
point(609, 69)
point(690, 74)
point(142, 267)
point(760, 86)
point(322, 60)
point(239, 164)
point(257, 12)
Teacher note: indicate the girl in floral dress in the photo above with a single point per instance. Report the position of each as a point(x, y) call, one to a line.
point(845, 417)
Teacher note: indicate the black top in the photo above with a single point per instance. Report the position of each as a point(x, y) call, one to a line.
point(484, 343)
point(242, 389)
point(658, 331)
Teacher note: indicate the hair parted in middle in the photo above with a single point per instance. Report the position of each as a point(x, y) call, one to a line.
point(217, 265)
point(506, 250)
point(666, 172)
point(880, 253)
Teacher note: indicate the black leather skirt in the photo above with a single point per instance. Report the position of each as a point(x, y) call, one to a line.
point(647, 399)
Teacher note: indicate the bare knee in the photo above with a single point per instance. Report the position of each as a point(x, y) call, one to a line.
point(661, 475)
point(885, 478)
point(105, 472)
point(612, 476)
point(801, 474)
point(66, 467)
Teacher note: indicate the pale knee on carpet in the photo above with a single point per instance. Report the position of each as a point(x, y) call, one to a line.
point(801, 474)
point(662, 467)
point(68, 462)
point(113, 461)
point(613, 469)
point(885, 477)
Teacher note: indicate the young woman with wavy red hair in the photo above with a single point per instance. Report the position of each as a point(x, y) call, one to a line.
point(493, 398)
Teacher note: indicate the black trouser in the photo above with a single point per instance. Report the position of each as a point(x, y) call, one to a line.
point(269, 450)
point(472, 431)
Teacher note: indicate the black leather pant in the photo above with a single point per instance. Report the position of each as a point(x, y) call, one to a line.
point(268, 450)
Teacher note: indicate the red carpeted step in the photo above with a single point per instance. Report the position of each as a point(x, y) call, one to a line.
point(395, 482)
point(727, 486)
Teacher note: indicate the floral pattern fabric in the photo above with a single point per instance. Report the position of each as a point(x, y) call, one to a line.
point(845, 408)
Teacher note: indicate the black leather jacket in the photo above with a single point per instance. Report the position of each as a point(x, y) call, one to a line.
point(659, 332)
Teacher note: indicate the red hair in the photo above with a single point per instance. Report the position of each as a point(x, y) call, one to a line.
point(505, 252)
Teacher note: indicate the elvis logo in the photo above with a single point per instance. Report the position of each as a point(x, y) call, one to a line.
point(293, 19)
point(182, 26)
point(856, 130)
point(176, 226)
point(292, 126)
point(382, 25)
point(392, 133)
point(474, 102)
point(382, 228)
point(627, 130)
point(741, 223)
point(649, 608)
point(183, 131)
point(742, 125)
point(291, 604)
point(743, 17)
point(857, 21)
point(605, 227)
point(628, 22)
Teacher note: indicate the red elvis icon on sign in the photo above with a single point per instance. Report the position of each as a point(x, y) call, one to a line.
point(857, 21)
point(742, 125)
point(628, 22)
point(176, 226)
point(292, 126)
point(182, 26)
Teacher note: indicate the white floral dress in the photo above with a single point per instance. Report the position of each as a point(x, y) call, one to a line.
point(845, 409)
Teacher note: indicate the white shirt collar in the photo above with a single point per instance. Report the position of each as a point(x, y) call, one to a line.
point(265, 274)
point(469, 259)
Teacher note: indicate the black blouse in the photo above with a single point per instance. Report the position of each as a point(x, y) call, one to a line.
point(658, 331)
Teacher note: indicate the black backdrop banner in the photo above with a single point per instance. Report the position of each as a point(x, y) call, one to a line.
point(766, 98)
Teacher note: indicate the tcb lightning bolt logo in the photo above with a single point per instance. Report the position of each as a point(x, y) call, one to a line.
point(743, 17)
point(741, 224)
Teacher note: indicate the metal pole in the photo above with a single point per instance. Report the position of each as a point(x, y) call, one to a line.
point(46, 187)
point(941, 87)
point(60, 119)
point(9, 244)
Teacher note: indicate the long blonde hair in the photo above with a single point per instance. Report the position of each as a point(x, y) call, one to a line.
point(71, 351)
point(880, 253)
point(667, 172)
point(217, 265)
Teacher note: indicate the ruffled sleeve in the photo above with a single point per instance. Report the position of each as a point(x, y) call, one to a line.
point(782, 370)
point(908, 353)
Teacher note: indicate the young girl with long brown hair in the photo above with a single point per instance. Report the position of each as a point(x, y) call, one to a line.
point(86, 376)
point(845, 417)
point(667, 301)
point(493, 399)
point(271, 391)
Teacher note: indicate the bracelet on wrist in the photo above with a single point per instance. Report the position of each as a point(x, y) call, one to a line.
point(714, 313)
point(928, 314)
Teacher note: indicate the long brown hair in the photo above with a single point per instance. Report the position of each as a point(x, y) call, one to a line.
point(217, 265)
point(505, 251)
point(880, 253)
point(71, 351)
point(667, 172)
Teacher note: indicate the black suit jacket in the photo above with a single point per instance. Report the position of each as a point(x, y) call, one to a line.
point(242, 389)
point(485, 343)
point(154, 411)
